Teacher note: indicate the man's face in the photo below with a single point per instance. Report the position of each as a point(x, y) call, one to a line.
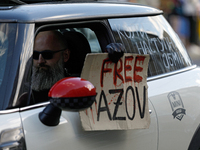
point(47, 72)
point(46, 41)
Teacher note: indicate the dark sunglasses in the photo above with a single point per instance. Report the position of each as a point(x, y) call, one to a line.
point(46, 54)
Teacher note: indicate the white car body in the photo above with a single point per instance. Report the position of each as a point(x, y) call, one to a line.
point(161, 131)
point(173, 96)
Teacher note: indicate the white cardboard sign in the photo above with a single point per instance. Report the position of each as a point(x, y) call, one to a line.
point(122, 95)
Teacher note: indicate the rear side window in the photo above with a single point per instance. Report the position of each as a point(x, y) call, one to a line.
point(153, 36)
point(91, 37)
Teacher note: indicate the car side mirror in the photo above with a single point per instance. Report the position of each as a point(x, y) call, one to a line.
point(69, 94)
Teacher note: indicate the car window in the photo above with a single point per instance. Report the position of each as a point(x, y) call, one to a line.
point(73, 43)
point(91, 37)
point(7, 42)
point(3, 52)
point(14, 50)
point(153, 36)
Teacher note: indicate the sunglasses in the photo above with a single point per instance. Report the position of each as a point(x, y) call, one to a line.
point(46, 54)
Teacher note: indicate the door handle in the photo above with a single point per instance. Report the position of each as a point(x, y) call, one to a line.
point(150, 111)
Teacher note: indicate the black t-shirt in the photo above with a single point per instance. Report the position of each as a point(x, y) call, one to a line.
point(40, 96)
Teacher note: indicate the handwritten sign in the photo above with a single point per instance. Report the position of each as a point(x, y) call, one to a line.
point(122, 95)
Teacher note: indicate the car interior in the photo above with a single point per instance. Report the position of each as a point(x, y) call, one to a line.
point(81, 39)
point(79, 47)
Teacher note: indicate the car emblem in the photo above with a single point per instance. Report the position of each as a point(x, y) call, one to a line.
point(176, 105)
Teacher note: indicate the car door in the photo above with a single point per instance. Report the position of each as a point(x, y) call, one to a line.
point(69, 134)
point(177, 108)
point(11, 130)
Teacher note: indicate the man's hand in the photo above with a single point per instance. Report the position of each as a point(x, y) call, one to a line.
point(115, 51)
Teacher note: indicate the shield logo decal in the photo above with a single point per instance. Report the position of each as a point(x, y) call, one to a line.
point(176, 105)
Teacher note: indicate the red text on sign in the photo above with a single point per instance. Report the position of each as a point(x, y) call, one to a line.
point(120, 66)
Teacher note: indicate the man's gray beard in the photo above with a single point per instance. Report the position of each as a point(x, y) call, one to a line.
point(45, 79)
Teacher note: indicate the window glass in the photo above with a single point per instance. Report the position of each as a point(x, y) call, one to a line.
point(153, 36)
point(3, 53)
point(15, 51)
point(7, 43)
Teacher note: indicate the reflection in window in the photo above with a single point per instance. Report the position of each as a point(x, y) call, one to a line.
point(3, 53)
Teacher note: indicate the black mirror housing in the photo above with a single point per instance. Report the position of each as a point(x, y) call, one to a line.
point(50, 116)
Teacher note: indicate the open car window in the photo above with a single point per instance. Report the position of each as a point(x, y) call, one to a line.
point(79, 40)
point(153, 36)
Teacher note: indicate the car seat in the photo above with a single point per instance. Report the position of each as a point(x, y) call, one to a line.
point(79, 47)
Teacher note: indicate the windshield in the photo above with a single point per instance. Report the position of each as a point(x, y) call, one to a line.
point(13, 52)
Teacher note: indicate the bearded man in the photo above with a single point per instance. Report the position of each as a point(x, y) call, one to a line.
point(49, 55)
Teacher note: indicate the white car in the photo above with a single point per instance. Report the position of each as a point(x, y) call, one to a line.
point(173, 80)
